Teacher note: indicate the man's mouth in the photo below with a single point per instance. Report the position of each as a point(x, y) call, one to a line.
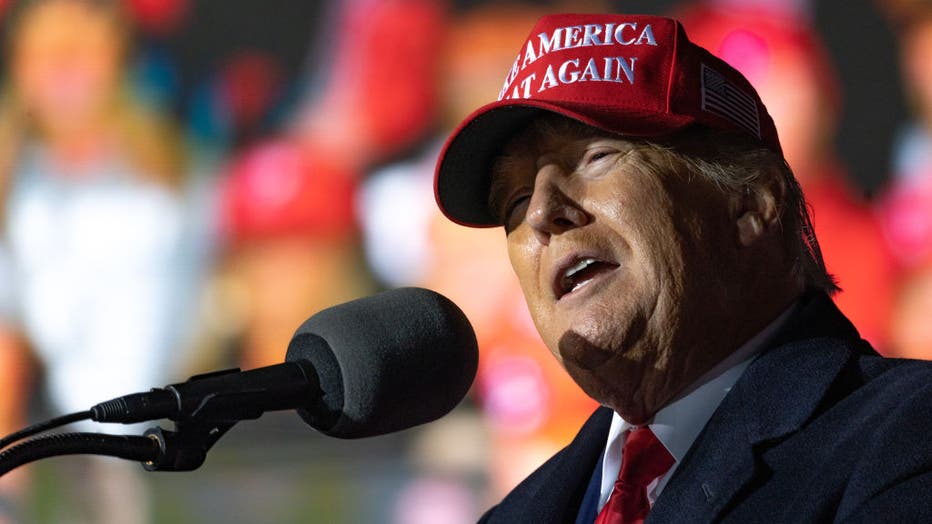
point(578, 272)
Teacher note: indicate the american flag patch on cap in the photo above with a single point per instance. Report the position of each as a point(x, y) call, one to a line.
point(722, 98)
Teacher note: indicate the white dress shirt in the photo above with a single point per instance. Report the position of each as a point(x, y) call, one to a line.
point(678, 424)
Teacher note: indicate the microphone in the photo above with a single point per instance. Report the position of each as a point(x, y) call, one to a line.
point(363, 368)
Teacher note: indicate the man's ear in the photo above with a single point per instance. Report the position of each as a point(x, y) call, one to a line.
point(758, 207)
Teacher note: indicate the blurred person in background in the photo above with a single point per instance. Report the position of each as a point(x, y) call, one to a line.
point(93, 220)
point(290, 243)
point(290, 246)
point(906, 205)
point(775, 47)
point(912, 169)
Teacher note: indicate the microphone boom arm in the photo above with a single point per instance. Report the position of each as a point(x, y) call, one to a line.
point(206, 406)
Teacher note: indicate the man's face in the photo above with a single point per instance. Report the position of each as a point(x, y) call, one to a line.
point(623, 258)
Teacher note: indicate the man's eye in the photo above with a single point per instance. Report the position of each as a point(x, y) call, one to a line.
point(514, 212)
point(595, 155)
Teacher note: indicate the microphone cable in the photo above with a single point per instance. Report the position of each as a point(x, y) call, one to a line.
point(43, 426)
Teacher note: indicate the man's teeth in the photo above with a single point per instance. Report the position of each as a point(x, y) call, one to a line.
point(579, 266)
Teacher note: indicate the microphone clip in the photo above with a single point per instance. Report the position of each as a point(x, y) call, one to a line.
point(184, 449)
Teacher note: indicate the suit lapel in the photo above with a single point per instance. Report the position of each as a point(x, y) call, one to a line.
point(774, 398)
point(554, 492)
point(563, 499)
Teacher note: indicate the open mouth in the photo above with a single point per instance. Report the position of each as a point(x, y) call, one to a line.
point(578, 273)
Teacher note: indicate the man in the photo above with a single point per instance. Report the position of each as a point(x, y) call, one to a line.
point(667, 258)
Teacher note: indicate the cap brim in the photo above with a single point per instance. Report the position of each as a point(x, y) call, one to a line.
point(463, 176)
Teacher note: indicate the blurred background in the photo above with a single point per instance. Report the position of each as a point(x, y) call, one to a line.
point(183, 182)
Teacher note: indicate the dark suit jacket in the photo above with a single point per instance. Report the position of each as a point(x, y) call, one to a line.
point(819, 428)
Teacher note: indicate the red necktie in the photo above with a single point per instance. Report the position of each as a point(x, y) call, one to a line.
point(643, 459)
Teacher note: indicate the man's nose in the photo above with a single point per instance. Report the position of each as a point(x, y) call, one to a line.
point(551, 211)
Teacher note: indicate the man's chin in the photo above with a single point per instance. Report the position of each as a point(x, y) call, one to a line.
point(575, 350)
point(594, 384)
point(625, 391)
point(629, 405)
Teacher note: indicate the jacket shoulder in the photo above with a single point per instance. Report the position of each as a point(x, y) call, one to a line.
point(892, 418)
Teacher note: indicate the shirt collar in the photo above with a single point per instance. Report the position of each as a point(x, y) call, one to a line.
point(678, 423)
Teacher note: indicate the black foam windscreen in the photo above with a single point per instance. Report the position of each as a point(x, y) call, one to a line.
point(386, 362)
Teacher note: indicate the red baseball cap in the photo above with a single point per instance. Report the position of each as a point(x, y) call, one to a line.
point(628, 74)
point(281, 188)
